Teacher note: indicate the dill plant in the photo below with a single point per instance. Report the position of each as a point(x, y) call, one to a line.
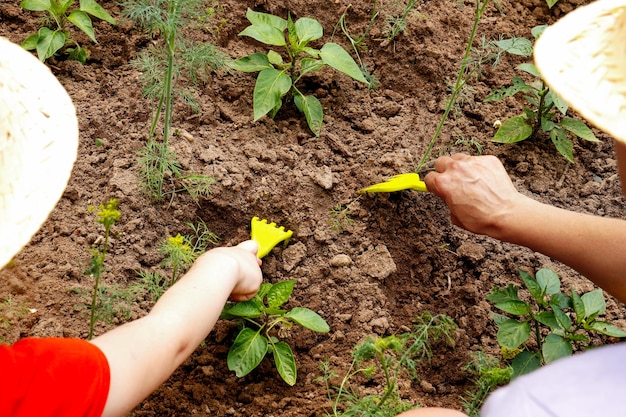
point(171, 68)
point(390, 358)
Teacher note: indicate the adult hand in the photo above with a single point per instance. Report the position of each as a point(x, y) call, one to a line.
point(477, 190)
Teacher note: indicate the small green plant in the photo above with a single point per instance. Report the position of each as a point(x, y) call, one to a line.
point(560, 322)
point(9, 311)
point(168, 69)
point(340, 215)
point(180, 251)
point(390, 358)
point(395, 24)
point(279, 75)
point(55, 35)
point(489, 374)
point(547, 112)
point(264, 323)
point(106, 216)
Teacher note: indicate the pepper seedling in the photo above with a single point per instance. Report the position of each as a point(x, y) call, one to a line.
point(408, 181)
point(267, 235)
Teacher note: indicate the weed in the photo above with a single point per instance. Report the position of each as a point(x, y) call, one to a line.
point(389, 358)
point(489, 374)
point(340, 216)
point(546, 105)
point(106, 216)
point(396, 24)
point(54, 34)
point(560, 321)
point(111, 302)
point(279, 77)
point(167, 70)
point(264, 323)
point(9, 311)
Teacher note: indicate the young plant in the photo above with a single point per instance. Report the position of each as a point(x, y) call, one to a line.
point(489, 374)
point(547, 112)
point(560, 322)
point(395, 24)
point(180, 251)
point(279, 74)
point(9, 311)
point(390, 358)
point(264, 322)
point(107, 216)
point(55, 35)
point(165, 67)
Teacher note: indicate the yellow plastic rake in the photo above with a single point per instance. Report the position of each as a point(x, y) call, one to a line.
point(409, 181)
point(267, 235)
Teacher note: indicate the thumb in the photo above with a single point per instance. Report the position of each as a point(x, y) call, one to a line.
point(250, 246)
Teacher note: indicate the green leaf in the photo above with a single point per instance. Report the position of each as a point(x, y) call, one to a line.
point(265, 33)
point(94, 9)
point(292, 36)
point(513, 130)
point(308, 30)
point(512, 333)
point(308, 65)
point(49, 42)
point(280, 293)
point(563, 319)
point(562, 143)
point(249, 309)
point(516, 46)
point(579, 307)
point(579, 129)
point(247, 351)
point(498, 318)
point(525, 362)
point(274, 58)
point(548, 280)
point(547, 318)
point(36, 5)
point(555, 347)
point(257, 18)
point(312, 109)
point(78, 54)
point(529, 68)
point(270, 86)
point(551, 3)
point(336, 57)
point(594, 303)
point(30, 42)
point(519, 85)
point(309, 319)
point(607, 329)
point(285, 362)
point(533, 286)
point(558, 102)
point(502, 296)
point(251, 63)
point(517, 308)
point(560, 300)
point(82, 22)
point(538, 30)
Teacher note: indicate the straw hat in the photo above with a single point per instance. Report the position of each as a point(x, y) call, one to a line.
point(38, 145)
point(582, 57)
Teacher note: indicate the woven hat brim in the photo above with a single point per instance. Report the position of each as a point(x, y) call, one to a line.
point(38, 146)
point(582, 58)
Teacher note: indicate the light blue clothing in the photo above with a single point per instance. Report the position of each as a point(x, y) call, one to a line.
point(589, 384)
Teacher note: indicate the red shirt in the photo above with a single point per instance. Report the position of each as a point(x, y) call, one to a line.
point(53, 377)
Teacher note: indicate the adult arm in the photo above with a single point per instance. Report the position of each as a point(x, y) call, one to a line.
point(142, 354)
point(483, 200)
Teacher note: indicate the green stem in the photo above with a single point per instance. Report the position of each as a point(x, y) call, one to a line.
point(460, 82)
point(101, 256)
point(390, 384)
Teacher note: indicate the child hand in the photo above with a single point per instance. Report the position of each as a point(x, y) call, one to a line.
point(249, 271)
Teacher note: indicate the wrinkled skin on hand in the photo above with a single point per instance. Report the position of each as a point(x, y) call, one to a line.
point(477, 190)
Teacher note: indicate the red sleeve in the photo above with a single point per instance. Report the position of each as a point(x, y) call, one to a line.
point(53, 377)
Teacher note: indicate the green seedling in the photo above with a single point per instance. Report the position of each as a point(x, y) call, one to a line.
point(267, 235)
point(106, 216)
point(548, 112)
point(55, 35)
point(408, 181)
point(264, 323)
point(180, 251)
point(560, 322)
point(279, 74)
point(392, 359)
point(396, 23)
point(488, 374)
point(168, 69)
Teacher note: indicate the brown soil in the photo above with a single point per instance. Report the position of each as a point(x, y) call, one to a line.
point(405, 255)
